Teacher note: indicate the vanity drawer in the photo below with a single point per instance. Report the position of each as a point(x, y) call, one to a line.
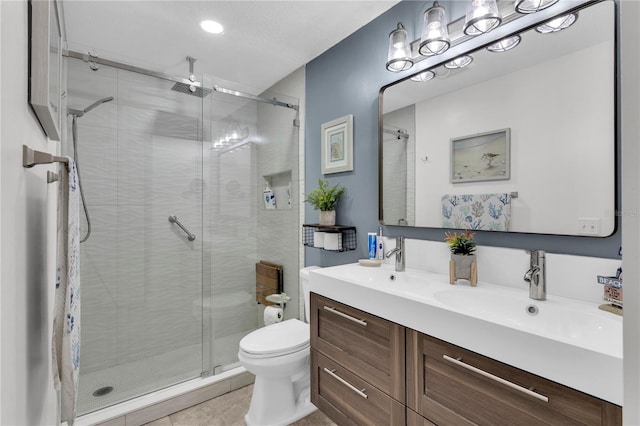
point(369, 346)
point(451, 385)
point(347, 399)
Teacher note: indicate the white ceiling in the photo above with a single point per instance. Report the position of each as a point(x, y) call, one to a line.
point(263, 41)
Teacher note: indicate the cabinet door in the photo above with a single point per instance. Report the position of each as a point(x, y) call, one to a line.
point(368, 346)
point(452, 386)
point(347, 399)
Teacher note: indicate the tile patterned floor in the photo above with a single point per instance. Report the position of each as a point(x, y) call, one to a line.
point(228, 410)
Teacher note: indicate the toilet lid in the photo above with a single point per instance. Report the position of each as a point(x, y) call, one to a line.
point(277, 339)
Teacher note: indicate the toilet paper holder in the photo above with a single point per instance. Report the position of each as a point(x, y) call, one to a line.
point(279, 298)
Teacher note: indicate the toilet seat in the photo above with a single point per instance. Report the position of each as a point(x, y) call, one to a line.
point(277, 339)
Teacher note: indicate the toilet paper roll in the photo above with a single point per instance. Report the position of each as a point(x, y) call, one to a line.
point(333, 241)
point(318, 239)
point(272, 314)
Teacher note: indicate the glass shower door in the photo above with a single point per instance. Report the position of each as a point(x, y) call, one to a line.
point(140, 158)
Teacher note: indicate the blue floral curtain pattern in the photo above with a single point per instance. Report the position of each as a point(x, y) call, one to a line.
point(481, 212)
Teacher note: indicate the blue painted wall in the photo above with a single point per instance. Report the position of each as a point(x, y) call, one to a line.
point(346, 79)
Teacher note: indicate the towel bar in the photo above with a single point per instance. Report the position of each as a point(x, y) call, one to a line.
point(31, 157)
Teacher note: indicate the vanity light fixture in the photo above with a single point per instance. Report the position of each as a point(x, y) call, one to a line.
point(533, 6)
point(459, 62)
point(482, 16)
point(399, 57)
point(558, 24)
point(505, 44)
point(435, 34)
point(212, 27)
point(423, 76)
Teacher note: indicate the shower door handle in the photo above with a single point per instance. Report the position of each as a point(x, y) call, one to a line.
point(190, 236)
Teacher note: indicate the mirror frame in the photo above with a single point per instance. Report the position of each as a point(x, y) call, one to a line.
point(44, 14)
point(616, 108)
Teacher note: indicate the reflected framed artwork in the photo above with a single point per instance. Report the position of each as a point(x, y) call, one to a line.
point(481, 157)
point(337, 145)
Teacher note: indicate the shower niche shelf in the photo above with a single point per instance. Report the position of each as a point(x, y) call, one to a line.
point(346, 237)
point(280, 184)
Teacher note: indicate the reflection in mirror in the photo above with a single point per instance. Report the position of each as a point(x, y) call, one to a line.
point(555, 93)
point(55, 61)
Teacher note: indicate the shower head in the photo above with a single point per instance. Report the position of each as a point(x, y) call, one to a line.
point(79, 113)
point(191, 89)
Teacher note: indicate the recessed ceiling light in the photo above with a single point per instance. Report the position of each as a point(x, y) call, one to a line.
point(212, 27)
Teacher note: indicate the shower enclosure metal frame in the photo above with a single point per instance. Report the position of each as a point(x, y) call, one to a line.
point(121, 65)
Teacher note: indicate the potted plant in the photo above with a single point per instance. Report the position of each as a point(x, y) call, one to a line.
point(463, 260)
point(325, 198)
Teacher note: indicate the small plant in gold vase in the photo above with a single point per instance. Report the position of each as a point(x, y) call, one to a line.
point(463, 260)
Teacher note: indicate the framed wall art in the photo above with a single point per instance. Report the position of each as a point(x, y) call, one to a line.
point(337, 145)
point(481, 157)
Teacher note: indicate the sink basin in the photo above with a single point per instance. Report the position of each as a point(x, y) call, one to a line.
point(569, 321)
point(383, 277)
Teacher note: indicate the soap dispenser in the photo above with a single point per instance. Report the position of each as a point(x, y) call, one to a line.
point(269, 197)
point(380, 245)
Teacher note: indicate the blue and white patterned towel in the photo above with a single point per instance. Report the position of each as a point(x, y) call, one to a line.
point(483, 212)
point(66, 321)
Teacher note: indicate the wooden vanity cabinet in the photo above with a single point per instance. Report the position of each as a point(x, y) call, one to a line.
point(357, 365)
point(449, 385)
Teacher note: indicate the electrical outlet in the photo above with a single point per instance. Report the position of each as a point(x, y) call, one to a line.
point(589, 226)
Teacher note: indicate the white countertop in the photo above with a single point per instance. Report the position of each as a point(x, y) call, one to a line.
point(567, 341)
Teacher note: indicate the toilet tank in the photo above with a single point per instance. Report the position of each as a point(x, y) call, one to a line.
point(304, 289)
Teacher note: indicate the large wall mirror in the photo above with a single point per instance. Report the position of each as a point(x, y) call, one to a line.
point(519, 141)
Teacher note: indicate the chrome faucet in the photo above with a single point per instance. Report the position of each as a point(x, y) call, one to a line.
point(536, 276)
point(399, 252)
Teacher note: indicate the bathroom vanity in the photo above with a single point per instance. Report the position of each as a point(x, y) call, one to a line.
point(386, 349)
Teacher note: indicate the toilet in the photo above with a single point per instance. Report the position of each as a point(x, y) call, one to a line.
point(278, 355)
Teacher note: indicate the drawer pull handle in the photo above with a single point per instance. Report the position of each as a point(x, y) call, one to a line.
point(496, 378)
point(344, 382)
point(343, 315)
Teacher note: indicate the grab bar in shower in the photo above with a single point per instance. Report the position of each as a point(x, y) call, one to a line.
point(32, 157)
point(190, 236)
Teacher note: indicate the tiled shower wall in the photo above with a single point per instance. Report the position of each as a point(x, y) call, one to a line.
point(140, 159)
point(278, 160)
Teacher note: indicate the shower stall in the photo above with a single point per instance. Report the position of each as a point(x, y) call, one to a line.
point(174, 222)
point(399, 167)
